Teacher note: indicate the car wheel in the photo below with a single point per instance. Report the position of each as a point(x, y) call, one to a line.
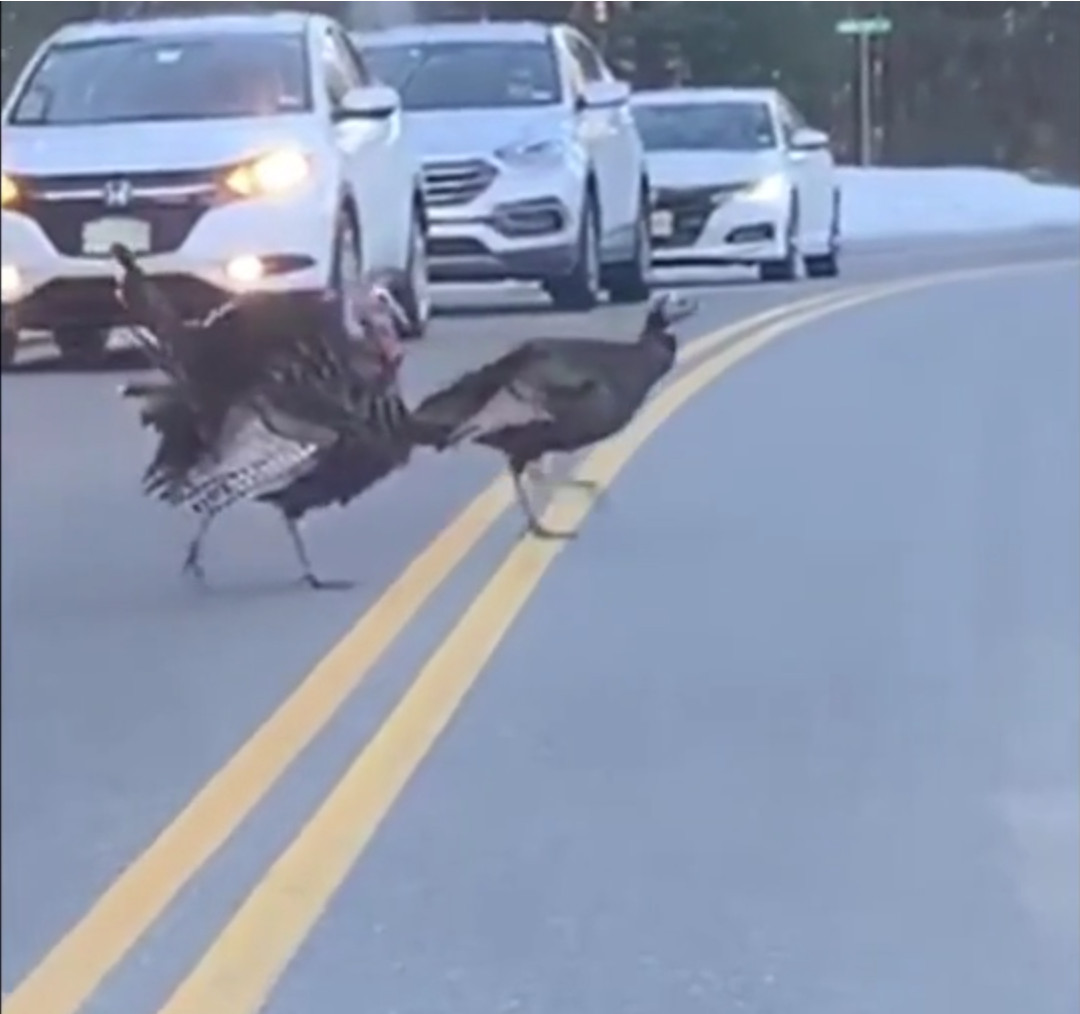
point(629, 282)
point(580, 290)
point(415, 297)
point(81, 347)
point(827, 265)
point(345, 271)
point(9, 347)
point(786, 269)
point(346, 267)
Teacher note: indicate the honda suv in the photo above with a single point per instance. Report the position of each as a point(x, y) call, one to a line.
point(532, 164)
point(231, 153)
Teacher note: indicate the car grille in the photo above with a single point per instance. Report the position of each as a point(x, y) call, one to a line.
point(170, 203)
point(690, 208)
point(456, 182)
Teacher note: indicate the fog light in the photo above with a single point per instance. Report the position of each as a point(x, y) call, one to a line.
point(246, 270)
point(10, 281)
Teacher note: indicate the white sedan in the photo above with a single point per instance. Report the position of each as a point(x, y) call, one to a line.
point(739, 178)
point(232, 153)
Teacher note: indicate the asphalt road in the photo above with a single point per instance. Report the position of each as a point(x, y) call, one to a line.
point(791, 728)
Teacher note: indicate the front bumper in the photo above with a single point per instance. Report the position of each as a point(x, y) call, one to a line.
point(48, 284)
point(488, 222)
point(707, 226)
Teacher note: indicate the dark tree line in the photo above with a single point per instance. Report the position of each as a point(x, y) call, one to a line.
point(976, 83)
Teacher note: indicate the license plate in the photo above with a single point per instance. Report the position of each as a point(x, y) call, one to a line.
point(662, 224)
point(99, 236)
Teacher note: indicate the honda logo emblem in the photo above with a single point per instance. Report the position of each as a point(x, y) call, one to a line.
point(117, 193)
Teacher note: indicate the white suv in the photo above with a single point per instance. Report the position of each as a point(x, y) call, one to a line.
point(533, 167)
point(233, 153)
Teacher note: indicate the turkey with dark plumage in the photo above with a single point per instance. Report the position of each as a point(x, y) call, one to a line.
point(298, 425)
point(552, 395)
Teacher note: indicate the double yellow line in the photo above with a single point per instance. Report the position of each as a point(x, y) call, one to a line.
point(241, 967)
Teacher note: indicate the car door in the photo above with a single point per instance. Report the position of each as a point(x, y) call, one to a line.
point(371, 150)
point(812, 170)
point(611, 138)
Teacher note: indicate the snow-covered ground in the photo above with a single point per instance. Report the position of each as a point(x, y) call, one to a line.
point(878, 203)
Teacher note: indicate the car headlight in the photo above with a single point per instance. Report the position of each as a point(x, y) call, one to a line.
point(276, 173)
point(533, 153)
point(9, 192)
point(768, 189)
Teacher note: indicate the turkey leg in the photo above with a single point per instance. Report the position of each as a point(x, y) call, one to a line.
point(541, 477)
point(193, 557)
point(536, 526)
point(310, 578)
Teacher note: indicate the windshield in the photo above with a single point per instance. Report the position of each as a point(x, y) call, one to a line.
point(468, 75)
point(717, 126)
point(131, 79)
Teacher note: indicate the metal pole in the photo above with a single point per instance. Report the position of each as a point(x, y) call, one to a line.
point(866, 126)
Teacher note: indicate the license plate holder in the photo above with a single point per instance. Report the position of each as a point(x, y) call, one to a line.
point(99, 235)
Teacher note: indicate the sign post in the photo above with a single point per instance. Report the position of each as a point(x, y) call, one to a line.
point(864, 29)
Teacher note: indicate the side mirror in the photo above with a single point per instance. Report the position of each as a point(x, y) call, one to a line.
point(604, 94)
point(373, 102)
point(808, 139)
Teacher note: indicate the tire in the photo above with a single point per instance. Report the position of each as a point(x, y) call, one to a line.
point(9, 348)
point(629, 282)
point(822, 266)
point(580, 290)
point(827, 265)
point(346, 266)
point(81, 347)
point(345, 272)
point(786, 269)
point(415, 294)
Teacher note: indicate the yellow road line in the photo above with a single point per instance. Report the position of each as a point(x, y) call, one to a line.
point(76, 966)
point(241, 967)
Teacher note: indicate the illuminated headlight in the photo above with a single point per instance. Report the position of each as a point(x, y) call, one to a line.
point(9, 192)
point(245, 270)
point(10, 281)
point(533, 153)
point(277, 173)
point(767, 190)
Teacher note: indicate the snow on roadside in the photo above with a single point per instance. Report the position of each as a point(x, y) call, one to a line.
point(882, 202)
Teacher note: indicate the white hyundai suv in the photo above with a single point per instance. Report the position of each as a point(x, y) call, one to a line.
point(533, 167)
point(232, 153)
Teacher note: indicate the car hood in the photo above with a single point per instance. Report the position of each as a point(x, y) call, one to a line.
point(149, 147)
point(708, 168)
point(475, 132)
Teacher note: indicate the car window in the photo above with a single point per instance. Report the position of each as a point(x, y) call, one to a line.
point(791, 120)
point(468, 74)
point(139, 78)
point(587, 58)
point(792, 115)
point(353, 56)
point(341, 72)
point(700, 126)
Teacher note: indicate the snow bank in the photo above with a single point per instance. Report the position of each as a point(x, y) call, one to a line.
point(877, 203)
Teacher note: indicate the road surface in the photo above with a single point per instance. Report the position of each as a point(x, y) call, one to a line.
point(792, 727)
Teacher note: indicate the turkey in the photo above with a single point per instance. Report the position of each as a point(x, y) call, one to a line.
point(298, 426)
point(552, 395)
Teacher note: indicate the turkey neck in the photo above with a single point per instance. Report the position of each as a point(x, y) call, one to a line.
point(656, 356)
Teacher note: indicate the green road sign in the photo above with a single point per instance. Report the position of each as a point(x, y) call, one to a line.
point(864, 26)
